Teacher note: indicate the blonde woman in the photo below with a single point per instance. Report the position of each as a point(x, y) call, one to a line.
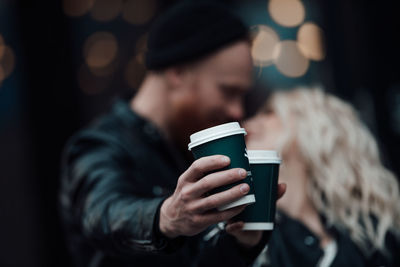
point(342, 206)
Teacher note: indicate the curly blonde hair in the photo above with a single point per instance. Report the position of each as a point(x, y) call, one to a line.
point(348, 184)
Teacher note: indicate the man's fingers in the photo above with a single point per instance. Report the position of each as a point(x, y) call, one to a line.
point(204, 165)
point(217, 179)
point(222, 198)
point(281, 189)
point(234, 227)
point(214, 217)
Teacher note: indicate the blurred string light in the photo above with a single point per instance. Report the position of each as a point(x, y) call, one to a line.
point(99, 51)
point(76, 8)
point(7, 60)
point(135, 69)
point(310, 40)
point(141, 48)
point(133, 11)
point(288, 13)
point(289, 60)
point(105, 71)
point(106, 10)
point(290, 57)
point(264, 41)
point(139, 11)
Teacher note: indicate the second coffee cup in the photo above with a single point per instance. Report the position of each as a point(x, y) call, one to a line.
point(225, 139)
point(264, 165)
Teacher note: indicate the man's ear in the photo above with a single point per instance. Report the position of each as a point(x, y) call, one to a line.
point(177, 76)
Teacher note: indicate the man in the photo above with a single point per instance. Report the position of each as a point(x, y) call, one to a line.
point(129, 195)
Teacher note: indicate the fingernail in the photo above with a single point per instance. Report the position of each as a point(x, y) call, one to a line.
point(244, 188)
point(242, 173)
point(225, 159)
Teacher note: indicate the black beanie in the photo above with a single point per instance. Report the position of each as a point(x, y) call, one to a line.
point(190, 31)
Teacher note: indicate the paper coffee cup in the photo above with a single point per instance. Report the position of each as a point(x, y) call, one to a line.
point(264, 165)
point(225, 139)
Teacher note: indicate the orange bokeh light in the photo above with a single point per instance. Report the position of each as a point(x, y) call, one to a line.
point(264, 42)
point(7, 61)
point(139, 11)
point(141, 48)
point(100, 49)
point(288, 13)
point(76, 8)
point(311, 41)
point(106, 10)
point(289, 60)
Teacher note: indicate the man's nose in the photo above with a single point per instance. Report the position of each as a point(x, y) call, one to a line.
point(236, 111)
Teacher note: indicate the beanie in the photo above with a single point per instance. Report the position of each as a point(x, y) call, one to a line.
point(189, 31)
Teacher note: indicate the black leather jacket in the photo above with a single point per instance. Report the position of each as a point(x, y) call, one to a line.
point(115, 176)
point(292, 244)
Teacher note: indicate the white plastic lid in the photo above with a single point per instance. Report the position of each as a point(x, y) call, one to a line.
point(214, 133)
point(263, 156)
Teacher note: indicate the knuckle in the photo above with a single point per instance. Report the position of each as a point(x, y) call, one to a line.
point(196, 166)
point(185, 194)
point(211, 202)
point(180, 182)
point(229, 176)
point(234, 193)
point(196, 220)
point(192, 209)
point(233, 174)
point(206, 184)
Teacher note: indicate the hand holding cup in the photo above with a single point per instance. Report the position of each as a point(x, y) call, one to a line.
point(191, 209)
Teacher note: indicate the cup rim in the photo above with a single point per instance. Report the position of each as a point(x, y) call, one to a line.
point(247, 199)
point(258, 226)
point(216, 132)
point(263, 156)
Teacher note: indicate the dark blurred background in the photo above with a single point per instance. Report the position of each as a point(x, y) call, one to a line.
point(62, 63)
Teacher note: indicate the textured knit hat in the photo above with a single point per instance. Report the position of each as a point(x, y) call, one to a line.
point(189, 31)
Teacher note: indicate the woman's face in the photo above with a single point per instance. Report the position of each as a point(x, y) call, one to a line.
point(263, 131)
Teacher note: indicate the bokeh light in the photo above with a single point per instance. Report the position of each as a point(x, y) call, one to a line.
point(100, 49)
point(264, 41)
point(104, 71)
point(288, 13)
point(76, 8)
point(134, 72)
point(289, 60)
point(7, 61)
point(139, 11)
point(311, 41)
point(106, 10)
point(141, 48)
